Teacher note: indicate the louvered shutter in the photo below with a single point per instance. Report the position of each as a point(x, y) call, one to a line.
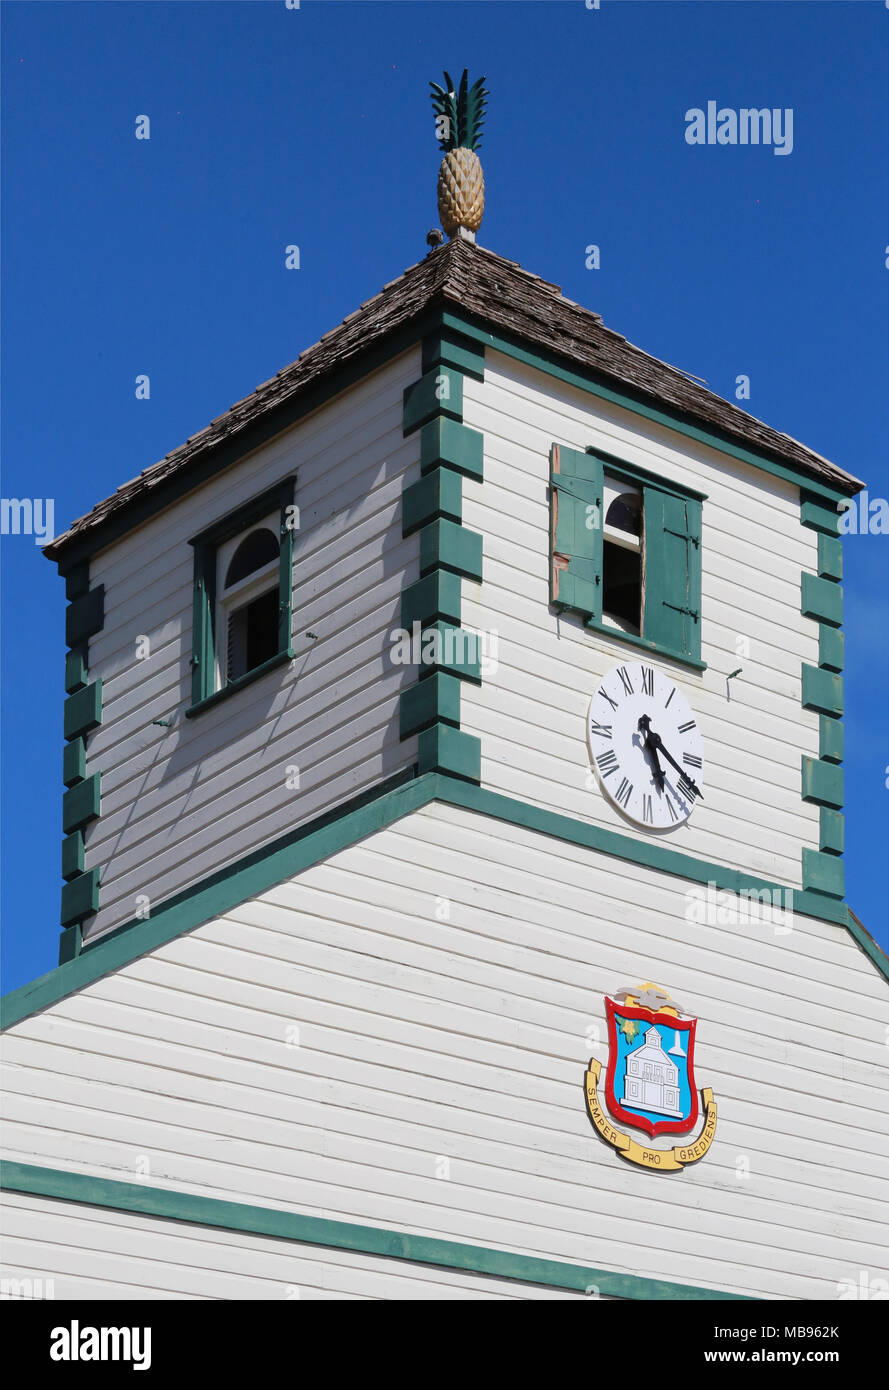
point(576, 531)
point(672, 577)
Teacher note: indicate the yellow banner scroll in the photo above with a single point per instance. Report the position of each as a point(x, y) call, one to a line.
point(661, 1160)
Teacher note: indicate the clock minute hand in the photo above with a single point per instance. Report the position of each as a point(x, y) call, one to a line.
point(658, 743)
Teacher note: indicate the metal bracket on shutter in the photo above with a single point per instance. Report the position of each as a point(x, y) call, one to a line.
point(683, 536)
point(692, 613)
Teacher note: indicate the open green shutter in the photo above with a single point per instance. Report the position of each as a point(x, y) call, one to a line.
point(576, 530)
point(672, 537)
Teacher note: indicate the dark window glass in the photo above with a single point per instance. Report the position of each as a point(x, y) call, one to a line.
point(252, 635)
point(625, 513)
point(255, 550)
point(622, 583)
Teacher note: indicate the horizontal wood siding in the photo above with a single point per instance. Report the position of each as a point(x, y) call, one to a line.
point(434, 993)
point(180, 802)
point(96, 1253)
point(531, 711)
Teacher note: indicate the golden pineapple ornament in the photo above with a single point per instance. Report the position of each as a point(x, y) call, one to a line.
point(461, 183)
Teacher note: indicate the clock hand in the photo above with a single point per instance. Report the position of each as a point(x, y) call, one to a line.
point(657, 742)
point(651, 750)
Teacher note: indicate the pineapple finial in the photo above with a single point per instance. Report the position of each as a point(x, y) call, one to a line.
point(459, 115)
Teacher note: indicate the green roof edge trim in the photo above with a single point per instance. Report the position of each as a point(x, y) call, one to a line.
point(215, 1212)
point(338, 830)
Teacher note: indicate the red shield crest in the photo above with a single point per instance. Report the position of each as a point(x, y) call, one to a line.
point(650, 1080)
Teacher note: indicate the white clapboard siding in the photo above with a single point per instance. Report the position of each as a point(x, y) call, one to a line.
point(530, 711)
point(445, 981)
point(179, 801)
point(93, 1253)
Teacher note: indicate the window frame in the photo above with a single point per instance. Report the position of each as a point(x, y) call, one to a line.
point(205, 670)
point(645, 482)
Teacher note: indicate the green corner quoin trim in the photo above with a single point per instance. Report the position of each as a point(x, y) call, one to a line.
point(84, 617)
point(339, 830)
point(431, 607)
point(216, 1213)
point(821, 599)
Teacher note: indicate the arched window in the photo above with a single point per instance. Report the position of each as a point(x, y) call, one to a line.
point(249, 601)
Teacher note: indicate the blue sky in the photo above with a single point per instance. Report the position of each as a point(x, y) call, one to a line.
point(272, 126)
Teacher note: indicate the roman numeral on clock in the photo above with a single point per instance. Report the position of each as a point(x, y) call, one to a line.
point(607, 762)
point(606, 696)
point(670, 809)
point(686, 728)
point(624, 792)
point(647, 680)
point(669, 698)
point(686, 788)
point(690, 760)
point(604, 731)
point(646, 810)
point(625, 680)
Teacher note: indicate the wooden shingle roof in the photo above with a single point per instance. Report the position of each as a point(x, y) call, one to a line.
point(460, 275)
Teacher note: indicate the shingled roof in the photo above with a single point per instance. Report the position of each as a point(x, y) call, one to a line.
point(463, 275)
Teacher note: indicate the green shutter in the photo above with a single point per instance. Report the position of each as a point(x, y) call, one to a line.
point(576, 531)
point(672, 540)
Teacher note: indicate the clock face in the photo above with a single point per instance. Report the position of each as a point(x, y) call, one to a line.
point(646, 746)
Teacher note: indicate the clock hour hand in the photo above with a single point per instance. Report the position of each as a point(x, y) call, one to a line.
point(657, 742)
point(651, 750)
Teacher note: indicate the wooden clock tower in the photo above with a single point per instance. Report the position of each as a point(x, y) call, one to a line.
point(476, 670)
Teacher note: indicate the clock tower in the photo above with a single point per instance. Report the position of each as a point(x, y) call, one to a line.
point(341, 931)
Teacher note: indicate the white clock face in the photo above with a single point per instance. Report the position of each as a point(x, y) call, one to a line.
point(646, 746)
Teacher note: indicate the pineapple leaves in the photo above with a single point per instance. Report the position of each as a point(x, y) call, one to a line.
point(463, 107)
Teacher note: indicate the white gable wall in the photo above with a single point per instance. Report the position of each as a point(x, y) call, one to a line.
point(531, 713)
point(180, 803)
point(445, 979)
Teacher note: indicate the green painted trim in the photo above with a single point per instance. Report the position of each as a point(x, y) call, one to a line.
point(822, 691)
point(433, 699)
point(439, 392)
point(822, 783)
point(830, 739)
point(77, 580)
point(818, 516)
point(831, 647)
point(594, 384)
point(650, 854)
point(437, 595)
point(70, 943)
point(220, 892)
point(205, 545)
point(447, 443)
point(85, 616)
point(830, 557)
point(605, 631)
point(821, 599)
point(438, 494)
point(140, 1199)
point(831, 831)
point(83, 710)
point(338, 830)
point(453, 350)
point(81, 803)
point(74, 762)
point(80, 897)
point(238, 445)
point(75, 671)
point(867, 944)
point(234, 687)
point(823, 873)
point(72, 855)
point(445, 545)
point(443, 748)
point(459, 652)
point(643, 477)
